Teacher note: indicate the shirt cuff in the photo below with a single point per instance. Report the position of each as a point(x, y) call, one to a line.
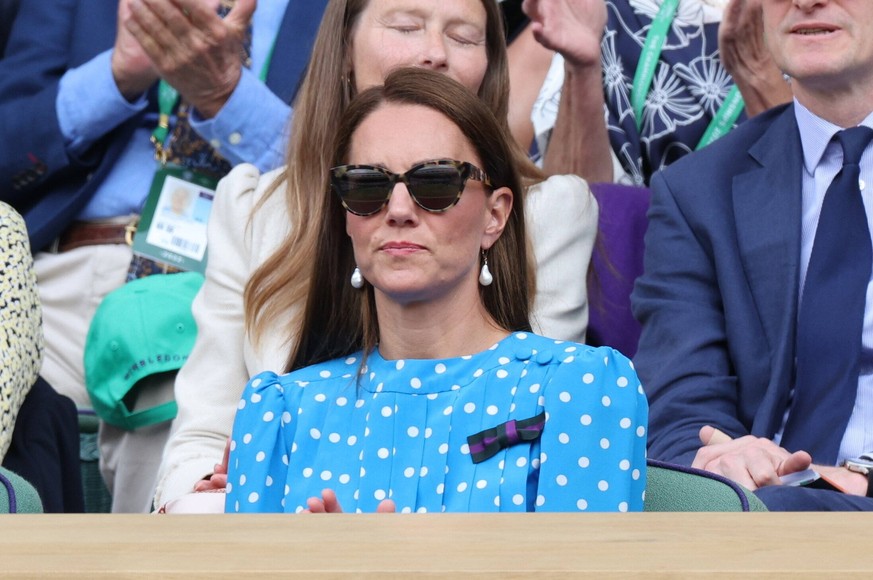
point(252, 127)
point(89, 104)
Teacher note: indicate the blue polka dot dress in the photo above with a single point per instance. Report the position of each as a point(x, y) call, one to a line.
point(562, 426)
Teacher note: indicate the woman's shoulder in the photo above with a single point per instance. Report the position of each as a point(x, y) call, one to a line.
point(563, 183)
point(245, 184)
point(562, 195)
point(556, 346)
point(572, 356)
point(249, 212)
point(340, 368)
point(588, 375)
point(12, 223)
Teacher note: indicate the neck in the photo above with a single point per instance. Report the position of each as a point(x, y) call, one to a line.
point(845, 108)
point(444, 328)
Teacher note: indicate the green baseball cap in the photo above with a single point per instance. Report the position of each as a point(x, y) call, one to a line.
point(142, 328)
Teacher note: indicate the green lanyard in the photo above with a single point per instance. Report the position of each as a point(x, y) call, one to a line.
point(168, 97)
point(726, 115)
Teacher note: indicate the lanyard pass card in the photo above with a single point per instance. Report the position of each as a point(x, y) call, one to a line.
point(172, 227)
point(172, 224)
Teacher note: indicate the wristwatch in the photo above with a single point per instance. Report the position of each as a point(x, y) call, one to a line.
point(864, 466)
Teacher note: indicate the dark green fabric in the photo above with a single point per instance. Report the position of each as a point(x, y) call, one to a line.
point(97, 497)
point(669, 490)
point(26, 498)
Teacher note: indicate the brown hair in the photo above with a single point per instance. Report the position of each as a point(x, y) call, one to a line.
point(339, 319)
point(279, 285)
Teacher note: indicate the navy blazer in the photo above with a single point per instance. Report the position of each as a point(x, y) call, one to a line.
point(37, 176)
point(718, 300)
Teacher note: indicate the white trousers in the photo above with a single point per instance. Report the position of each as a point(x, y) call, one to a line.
point(71, 286)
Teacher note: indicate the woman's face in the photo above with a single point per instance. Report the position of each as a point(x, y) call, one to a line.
point(444, 35)
point(408, 254)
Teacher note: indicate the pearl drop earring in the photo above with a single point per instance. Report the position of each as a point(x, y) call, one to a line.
point(357, 279)
point(485, 277)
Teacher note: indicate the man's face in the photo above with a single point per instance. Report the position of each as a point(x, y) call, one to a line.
point(822, 44)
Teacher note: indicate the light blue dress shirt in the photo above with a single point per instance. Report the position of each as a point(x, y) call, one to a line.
point(822, 160)
point(251, 127)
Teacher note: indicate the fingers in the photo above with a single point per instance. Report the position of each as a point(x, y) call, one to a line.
point(326, 504)
point(711, 437)
point(215, 482)
point(797, 461)
point(219, 480)
point(331, 504)
point(531, 9)
point(222, 467)
point(241, 14)
point(573, 28)
point(750, 461)
point(732, 12)
point(173, 32)
point(707, 432)
point(386, 506)
point(196, 11)
point(314, 505)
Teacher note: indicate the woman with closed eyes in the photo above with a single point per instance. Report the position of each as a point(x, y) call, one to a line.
point(262, 230)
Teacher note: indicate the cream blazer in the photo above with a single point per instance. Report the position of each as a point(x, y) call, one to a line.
point(562, 221)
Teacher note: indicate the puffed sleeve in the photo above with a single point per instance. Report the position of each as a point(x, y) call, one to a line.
point(263, 431)
point(561, 215)
point(593, 445)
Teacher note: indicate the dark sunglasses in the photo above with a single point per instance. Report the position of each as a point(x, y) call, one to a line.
point(435, 185)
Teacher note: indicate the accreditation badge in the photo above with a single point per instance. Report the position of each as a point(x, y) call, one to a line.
point(172, 226)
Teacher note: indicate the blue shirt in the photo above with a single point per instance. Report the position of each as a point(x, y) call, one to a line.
point(251, 127)
point(401, 432)
point(822, 160)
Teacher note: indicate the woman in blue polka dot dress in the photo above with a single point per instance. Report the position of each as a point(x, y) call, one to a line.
point(417, 385)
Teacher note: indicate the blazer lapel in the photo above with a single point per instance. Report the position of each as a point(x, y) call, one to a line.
point(767, 206)
point(293, 46)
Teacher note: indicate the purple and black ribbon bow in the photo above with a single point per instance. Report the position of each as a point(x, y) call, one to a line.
point(485, 444)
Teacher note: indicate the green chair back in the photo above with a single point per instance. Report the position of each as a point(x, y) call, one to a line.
point(676, 488)
point(17, 495)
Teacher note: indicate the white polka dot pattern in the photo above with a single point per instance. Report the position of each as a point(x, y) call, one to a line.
point(405, 436)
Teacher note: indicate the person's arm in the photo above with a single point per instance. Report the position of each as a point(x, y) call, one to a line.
point(745, 56)
point(90, 105)
point(251, 127)
point(756, 462)
point(53, 117)
point(579, 142)
point(529, 62)
point(750, 461)
point(594, 439)
point(31, 141)
point(198, 54)
point(683, 357)
point(191, 47)
point(208, 386)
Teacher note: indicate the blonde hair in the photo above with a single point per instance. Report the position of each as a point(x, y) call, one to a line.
point(280, 284)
